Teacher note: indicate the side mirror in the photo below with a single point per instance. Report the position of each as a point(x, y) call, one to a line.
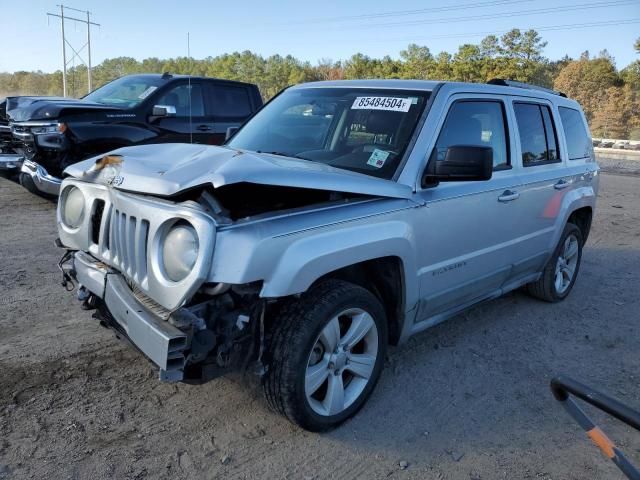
point(461, 163)
point(160, 111)
point(231, 131)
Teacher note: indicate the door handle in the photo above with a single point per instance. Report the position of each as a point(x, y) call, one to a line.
point(508, 196)
point(203, 128)
point(561, 184)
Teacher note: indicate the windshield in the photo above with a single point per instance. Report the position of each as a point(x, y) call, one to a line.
point(125, 92)
point(362, 130)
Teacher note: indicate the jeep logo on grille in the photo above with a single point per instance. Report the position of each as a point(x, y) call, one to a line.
point(116, 181)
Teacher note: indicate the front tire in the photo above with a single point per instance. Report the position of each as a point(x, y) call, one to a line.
point(561, 271)
point(326, 355)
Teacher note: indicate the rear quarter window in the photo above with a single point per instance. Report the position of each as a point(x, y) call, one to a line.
point(578, 143)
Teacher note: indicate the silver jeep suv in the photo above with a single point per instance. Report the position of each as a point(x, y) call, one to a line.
point(343, 217)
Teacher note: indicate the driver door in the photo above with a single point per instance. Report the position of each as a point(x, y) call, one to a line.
point(469, 231)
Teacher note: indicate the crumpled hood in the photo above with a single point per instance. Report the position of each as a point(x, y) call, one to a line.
point(167, 169)
point(22, 109)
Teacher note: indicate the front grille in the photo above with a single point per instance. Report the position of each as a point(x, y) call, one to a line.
point(122, 243)
point(126, 232)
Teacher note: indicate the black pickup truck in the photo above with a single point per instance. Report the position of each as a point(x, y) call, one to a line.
point(132, 110)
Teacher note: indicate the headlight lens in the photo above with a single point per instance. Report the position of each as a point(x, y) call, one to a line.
point(52, 128)
point(73, 207)
point(180, 251)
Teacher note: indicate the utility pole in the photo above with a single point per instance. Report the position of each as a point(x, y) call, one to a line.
point(64, 55)
point(76, 53)
point(89, 50)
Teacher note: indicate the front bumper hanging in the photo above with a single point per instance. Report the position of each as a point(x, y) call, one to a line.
point(161, 342)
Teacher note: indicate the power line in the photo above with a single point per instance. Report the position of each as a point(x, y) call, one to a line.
point(400, 13)
point(492, 16)
point(570, 26)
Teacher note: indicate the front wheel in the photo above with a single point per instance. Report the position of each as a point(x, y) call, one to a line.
point(561, 271)
point(327, 352)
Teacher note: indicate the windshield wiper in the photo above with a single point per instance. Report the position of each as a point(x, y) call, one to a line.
point(281, 154)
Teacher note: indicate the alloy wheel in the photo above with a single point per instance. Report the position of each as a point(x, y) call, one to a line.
point(566, 264)
point(341, 362)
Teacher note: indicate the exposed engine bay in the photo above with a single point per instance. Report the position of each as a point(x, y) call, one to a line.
point(242, 200)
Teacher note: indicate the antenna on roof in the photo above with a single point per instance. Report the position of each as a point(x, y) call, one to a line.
point(189, 76)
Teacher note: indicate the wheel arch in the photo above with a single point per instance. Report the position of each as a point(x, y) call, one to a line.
point(577, 206)
point(384, 278)
point(582, 217)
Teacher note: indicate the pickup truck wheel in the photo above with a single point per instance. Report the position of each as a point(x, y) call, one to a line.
point(561, 271)
point(327, 352)
point(26, 181)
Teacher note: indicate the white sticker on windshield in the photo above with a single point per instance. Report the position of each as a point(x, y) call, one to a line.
point(382, 103)
point(147, 92)
point(377, 158)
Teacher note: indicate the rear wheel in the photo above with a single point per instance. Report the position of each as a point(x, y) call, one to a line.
point(561, 271)
point(326, 355)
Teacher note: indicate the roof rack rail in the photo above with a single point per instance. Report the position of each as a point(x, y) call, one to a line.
point(513, 83)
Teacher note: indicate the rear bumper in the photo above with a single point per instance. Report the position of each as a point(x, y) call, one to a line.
point(40, 178)
point(10, 162)
point(164, 344)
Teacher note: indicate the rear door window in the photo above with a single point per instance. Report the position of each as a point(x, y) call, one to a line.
point(229, 101)
point(475, 122)
point(578, 143)
point(538, 139)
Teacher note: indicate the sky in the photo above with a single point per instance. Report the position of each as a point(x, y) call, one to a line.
point(308, 30)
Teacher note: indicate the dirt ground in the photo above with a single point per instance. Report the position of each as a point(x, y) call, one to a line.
point(468, 399)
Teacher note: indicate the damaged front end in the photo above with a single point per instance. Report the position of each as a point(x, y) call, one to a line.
point(219, 331)
point(117, 253)
point(145, 261)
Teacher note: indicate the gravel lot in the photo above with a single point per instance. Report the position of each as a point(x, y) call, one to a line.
point(468, 399)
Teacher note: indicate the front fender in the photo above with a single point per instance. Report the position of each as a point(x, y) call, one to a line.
point(97, 138)
point(309, 258)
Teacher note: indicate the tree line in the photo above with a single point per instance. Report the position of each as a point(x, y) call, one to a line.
point(609, 97)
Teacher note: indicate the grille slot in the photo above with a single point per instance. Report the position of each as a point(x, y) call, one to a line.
point(96, 220)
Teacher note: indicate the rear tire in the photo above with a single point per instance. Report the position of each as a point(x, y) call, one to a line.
point(561, 270)
point(326, 355)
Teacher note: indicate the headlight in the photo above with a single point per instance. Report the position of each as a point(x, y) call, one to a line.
point(180, 251)
point(73, 207)
point(53, 128)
